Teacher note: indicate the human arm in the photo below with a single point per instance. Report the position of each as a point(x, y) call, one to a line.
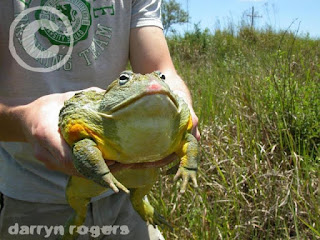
point(36, 122)
point(10, 116)
point(149, 52)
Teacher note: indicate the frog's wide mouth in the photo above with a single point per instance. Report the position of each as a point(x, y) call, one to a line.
point(132, 100)
point(157, 164)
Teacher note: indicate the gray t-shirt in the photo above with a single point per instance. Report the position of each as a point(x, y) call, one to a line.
point(100, 52)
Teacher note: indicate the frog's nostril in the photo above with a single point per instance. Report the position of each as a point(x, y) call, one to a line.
point(154, 86)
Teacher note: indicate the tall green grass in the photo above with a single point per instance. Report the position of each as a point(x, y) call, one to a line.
point(257, 95)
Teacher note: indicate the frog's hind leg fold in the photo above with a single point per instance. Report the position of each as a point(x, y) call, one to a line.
point(79, 192)
point(77, 218)
point(88, 160)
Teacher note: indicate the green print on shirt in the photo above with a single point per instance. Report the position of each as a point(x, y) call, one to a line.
point(26, 2)
point(78, 13)
point(100, 38)
point(98, 45)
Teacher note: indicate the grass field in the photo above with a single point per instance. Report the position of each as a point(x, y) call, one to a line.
point(257, 95)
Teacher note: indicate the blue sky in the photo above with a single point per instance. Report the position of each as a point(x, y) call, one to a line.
point(277, 13)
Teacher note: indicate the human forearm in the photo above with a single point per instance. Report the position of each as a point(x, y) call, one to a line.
point(11, 115)
point(177, 85)
point(149, 52)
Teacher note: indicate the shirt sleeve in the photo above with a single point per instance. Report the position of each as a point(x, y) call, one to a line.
point(146, 13)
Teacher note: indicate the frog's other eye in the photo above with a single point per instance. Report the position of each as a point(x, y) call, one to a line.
point(161, 75)
point(124, 77)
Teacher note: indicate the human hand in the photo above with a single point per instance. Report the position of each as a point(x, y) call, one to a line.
point(195, 120)
point(40, 126)
point(195, 130)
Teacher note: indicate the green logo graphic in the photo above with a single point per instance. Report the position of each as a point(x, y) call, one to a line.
point(78, 13)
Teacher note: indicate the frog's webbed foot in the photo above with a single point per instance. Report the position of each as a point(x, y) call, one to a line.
point(158, 219)
point(149, 214)
point(88, 160)
point(144, 208)
point(153, 217)
point(189, 162)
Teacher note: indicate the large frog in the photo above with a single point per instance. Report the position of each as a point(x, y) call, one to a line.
point(137, 122)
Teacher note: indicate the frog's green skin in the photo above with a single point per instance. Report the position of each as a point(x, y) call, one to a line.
point(136, 120)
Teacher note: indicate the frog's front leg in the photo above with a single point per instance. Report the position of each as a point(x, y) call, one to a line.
point(88, 160)
point(188, 154)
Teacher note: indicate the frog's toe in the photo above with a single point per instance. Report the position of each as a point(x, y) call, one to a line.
point(194, 179)
point(113, 183)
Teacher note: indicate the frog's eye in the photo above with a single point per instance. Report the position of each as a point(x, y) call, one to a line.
point(161, 75)
point(124, 77)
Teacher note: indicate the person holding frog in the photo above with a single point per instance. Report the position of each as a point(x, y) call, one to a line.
point(35, 160)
